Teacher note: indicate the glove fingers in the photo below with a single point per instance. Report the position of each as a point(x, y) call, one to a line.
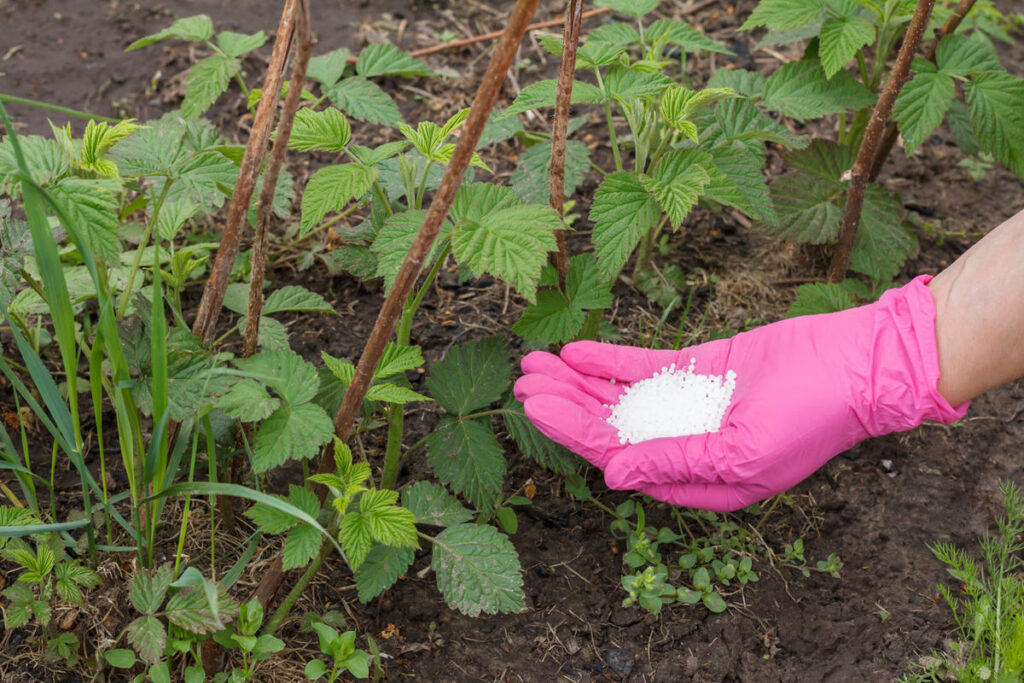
point(572, 426)
point(697, 459)
point(714, 497)
point(631, 364)
point(531, 385)
point(600, 388)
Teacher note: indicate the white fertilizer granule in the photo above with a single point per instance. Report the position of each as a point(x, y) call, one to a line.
point(672, 403)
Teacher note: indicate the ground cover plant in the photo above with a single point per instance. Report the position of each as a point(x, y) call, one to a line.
point(103, 253)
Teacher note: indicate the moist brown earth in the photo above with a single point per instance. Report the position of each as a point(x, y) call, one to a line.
point(877, 506)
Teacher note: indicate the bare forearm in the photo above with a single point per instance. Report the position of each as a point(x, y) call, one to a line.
point(979, 324)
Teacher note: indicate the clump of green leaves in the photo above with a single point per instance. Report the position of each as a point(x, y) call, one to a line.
point(343, 655)
point(988, 602)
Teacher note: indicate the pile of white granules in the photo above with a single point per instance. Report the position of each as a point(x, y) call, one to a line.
point(672, 403)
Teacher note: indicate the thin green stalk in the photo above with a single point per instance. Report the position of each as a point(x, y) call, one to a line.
point(611, 125)
point(53, 107)
point(643, 254)
point(137, 261)
point(423, 185)
point(863, 66)
point(238, 76)
point(96, 387)
point(379, 191)
point(188, 501)
point(323, 226)
point(281, 613)
point(682, 319)
point(211, 465)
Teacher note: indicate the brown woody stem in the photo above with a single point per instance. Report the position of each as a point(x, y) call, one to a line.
point(861, 167)
point(560, 128)
point(891, 132)
point(303, 48)
point(220, 273)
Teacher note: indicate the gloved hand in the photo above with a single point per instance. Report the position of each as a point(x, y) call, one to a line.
point(807, 389)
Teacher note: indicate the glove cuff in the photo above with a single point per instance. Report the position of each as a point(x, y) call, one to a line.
point(905, 362)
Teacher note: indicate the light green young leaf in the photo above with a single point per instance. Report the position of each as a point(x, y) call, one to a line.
point(739, 119)
point(631, 8)
point(381, 569)
point(331, 189)
point(432, 504)
point(883, 243)
point(994, 104)
point(922, 104)
point(622, 211)
point(677, 183)
point(454, 122)
point(841, 37)
point(300, 546)
point(593, 54)
point(749, 83)
point(272, 335)
point(385, 59)
point(356, 538)
point(784, 14)
point(551, 320)
point(237, 44)
point(683, 35)
point(543, 93)
point(512, 245)
point(478, 570)
point(326, 131)
point(271, 520)
point(390, 523)
point(371, 157)
point(471, 376)
point(208, 78)
point(820, 297)
point(173, 216)
point(97, 139)
point(292, 432)
point(397, 358)
point(44, 157)
point(476, 200)
point(364, 100)
point(295, 298)
point(532, 443)
point(530, 179)
point(196, 29)
point(802, 91)
point(465, 455)
point(327, 69)
point(342, 369)
point(392, 393)
point(248, 401)
point(622, 83)
point(616, 33)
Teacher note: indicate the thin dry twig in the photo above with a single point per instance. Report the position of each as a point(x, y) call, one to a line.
point(891, 132)
point(560, 128)
point(861, 167)
point(220, 273)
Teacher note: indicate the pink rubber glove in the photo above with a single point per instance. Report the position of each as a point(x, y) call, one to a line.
point(807, 389)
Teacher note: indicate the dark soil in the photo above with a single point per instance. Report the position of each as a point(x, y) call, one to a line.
point(937, 484)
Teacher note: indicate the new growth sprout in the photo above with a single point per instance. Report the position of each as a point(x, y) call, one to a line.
point(673, 402)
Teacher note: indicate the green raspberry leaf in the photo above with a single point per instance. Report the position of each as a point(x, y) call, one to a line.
point(206, 81)
point(883, 243)
point(471, 376)
point(300, 546)
point(784, 14)
point(148, 636)
point(384, 59)
point(364, 100)
point(622, 211)
point(801, 90)
point(325, 131)
point(552, 319)
point(922, 104)
point(432, 504)
point(331, 189)
point(381, 569)
point(478, 570)
point(196, 29)
point(820, 297)
point(530, 179)
point(543, 94)
point(237, 44)
point(292, 432)
point(994, 102)
point(327, 69)
point(466, 456)
point(841, 38)
point(295, 298)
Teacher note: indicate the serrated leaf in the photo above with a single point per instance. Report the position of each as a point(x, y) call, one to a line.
point(806, 209)
point(791, 35)
point(355, 259)
point(397, 358)
point(616, 33)
point(631, 8)
point(543, 94)
point(97, 139)
point(677, 183)
point(196, 29)
point(963, 131)
point(511, 245)
point(736, 180)
point(531, 442)
point(300, 546)
point(432, 504)
point(92, 206)
point(331, 189)
point(749, 83)
point(173, 216)
point(820, 297)
point(593, 54)
point(624, 83)
point(272, 335)
point(270, 520)
point(392, 393)
point(960, 55)
point(148, 636)
point(327, 69)
point(552, 319)
point(295, 298)
point(622, 211)
point(476, 200)
point(364, 100)
point(390, 524)
point(147, 590)
point(478, 570)
point(396, 237)
point(292, 432)
point(840, 39)
point(683, 35)
point(471, 376)
point(206, 80)
point(191, 610)
point(823, 159)
point(381, 569)
point(739, 120)
point(465, 455)
point(283, 371)
point(583, 284)
point(356, 538)
point(922, 104)
point(248, 400)
point(304, 499)
point(384, 59)
point(784, 14)
point(237, 44)
point(326, 130)
point(499, 128)
point(994, 102)
point(883, 244)
point(802, 91)
point(530, 179)
point(342, 369)
point(44, 157)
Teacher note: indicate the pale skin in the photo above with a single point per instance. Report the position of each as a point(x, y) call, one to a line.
point(979, 322)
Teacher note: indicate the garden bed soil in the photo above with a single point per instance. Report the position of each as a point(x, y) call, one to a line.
point(877, 506)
